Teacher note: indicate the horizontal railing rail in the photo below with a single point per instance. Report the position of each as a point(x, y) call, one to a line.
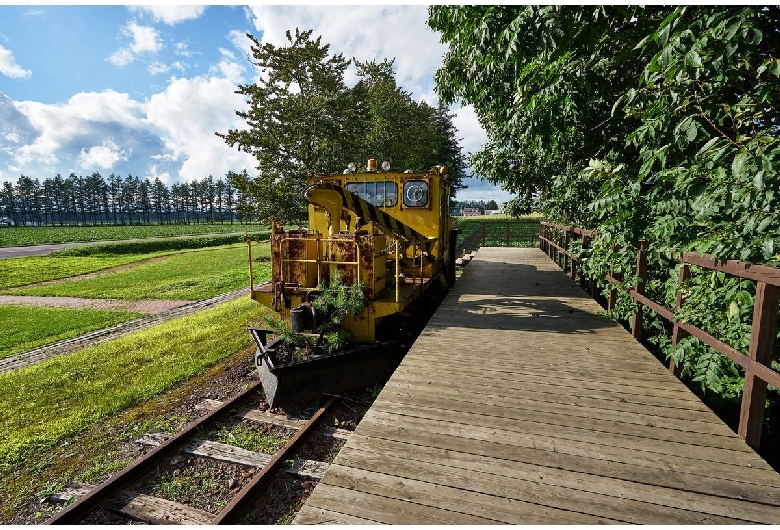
point(555, 241)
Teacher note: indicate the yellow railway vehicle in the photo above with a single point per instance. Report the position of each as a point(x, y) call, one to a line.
point(388, 231)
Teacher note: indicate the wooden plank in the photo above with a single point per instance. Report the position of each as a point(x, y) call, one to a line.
point(154, 510)
point(594, 449)
point(582, 378)
point(238, 455)
point(310, 515)
point(226, 453)
point(579, 432)
point(674, 478)
point(456, 502)
point(534, 490)
point(735, 507)
point(563, 407)
point(649, 399)
point(553, 415)
point(388, 510)
point(595, 400)
point(445, 348)
point(744, 269)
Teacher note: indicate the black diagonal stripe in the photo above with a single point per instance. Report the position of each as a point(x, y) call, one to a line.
point(371, 213)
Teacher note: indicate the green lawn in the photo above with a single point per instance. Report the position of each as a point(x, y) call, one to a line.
point(18, 236)
point(25, 271)
point(44, 404)
point(195, 275)
point(25, 328)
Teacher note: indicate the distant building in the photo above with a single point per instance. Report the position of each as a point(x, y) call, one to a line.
point(471, 211)
point(5, 221)
point(493, 212)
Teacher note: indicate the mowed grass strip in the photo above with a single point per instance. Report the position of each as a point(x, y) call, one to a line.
point(20, 236)
point(44, 404)
point(195, 275)
point(25, 328)
point(34, 269)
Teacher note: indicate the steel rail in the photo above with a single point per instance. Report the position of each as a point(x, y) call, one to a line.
point(239, 504)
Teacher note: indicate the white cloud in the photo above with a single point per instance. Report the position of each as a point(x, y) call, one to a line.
point(363, 32)
point(65, 129)
point(103, 156)
point(144, 39)
point(182, 49)
point(157, 67)
point(170, 14)
point(470, 131)
point(9, 68)
point(229, 68)
point(187, 115)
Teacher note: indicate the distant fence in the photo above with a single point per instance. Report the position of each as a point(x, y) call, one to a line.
point(498, 233)
point(556, 241)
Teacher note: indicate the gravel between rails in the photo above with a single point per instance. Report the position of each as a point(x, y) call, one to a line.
point(37, 355)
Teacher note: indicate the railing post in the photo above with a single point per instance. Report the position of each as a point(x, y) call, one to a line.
point(586, 245)
point(678, 333)
point(569, 238)
point(612, 299)
point(641, 273)
point(751, 416)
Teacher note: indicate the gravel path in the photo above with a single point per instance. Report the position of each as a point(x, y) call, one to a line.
point(150, 307)
point(44, 352)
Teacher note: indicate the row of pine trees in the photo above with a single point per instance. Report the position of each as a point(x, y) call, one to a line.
point(94, 200)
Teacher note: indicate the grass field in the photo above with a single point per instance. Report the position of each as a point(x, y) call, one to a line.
point(195, 275)
point(188, 275)
point(34, 269)
point(22, 236)
point(44, 404)
point(25, 328)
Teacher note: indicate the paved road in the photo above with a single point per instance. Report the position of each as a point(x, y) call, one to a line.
point(37, 250)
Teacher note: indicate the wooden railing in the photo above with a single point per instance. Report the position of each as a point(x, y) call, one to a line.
point(555, 240)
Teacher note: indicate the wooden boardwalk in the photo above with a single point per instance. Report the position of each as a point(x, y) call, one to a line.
point(520, 404)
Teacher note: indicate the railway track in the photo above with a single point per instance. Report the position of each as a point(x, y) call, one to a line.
point(127, 494)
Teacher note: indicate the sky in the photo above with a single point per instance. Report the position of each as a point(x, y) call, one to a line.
point(141, 90)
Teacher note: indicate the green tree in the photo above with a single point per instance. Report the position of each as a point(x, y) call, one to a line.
point(304, 120)
point(408, 134)
point(299, 119)
point(543, 81)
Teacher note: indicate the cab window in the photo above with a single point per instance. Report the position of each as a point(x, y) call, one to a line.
point(383, 194)
point(415, 193)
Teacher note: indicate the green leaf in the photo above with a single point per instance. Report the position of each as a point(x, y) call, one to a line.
point(692, 59)
point(733, 310)
point(738, 166)
point(758, 180)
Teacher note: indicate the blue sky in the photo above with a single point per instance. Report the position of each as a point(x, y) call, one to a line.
point(141, 90)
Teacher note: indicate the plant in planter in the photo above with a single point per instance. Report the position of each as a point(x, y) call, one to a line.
point(334, 302)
